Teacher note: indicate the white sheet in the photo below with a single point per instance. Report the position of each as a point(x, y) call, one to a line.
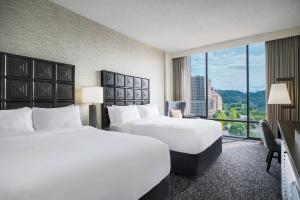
point(190, 136)
point(80, 163)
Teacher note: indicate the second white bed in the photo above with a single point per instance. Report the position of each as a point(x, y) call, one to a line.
point(191, 136)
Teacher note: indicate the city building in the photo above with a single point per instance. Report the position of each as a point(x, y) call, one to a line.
point(198, 97)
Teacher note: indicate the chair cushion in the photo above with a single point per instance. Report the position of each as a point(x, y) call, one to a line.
point(176, 114)
point(174, 105)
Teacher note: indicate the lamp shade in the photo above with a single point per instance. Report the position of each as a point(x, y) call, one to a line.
point(92, 95)
point(279, 94)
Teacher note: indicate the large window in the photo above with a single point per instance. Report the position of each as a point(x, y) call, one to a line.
point(257, 87)
point(227, 80)
point(229, 85)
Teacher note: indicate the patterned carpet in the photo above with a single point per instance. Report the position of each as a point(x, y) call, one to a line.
point(238, 173)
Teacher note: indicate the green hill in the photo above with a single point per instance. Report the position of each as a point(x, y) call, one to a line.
point(257, 99)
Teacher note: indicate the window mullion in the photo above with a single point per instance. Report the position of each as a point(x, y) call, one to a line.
point(206, 82)
point(248, 94)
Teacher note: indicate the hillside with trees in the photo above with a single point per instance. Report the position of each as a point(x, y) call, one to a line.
point(235, 108)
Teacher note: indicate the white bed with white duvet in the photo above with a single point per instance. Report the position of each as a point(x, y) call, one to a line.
point(75, 162)
point(190, 136)
point(187, 138)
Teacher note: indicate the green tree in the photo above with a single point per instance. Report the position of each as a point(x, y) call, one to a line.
point(256, 115)
point(233, 114)
point(221, 115)
point(237, 129)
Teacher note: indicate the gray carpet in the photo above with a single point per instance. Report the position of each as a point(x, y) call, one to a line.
point(238, 173)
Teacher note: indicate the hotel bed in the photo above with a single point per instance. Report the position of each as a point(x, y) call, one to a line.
point(190, 136)
point(46, 153)
point(81, 163)
point(193, 143)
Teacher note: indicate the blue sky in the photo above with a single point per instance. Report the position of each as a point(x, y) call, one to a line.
point(227, 67)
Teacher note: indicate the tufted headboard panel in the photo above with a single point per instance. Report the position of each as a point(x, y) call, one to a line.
point(32, 82)
point(120, 89)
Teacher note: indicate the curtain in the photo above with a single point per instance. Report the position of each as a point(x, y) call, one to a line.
point(282, 61)
point(179, 70)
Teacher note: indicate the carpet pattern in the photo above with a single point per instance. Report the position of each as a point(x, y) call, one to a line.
point(238, 173)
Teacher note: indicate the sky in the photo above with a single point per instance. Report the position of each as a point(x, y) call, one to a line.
point(227, 68)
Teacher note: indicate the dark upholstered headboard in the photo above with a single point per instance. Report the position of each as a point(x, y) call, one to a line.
point(32, 82)
point(120, 89)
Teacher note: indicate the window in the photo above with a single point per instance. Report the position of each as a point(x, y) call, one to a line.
point(257, 87)
point(229, 86)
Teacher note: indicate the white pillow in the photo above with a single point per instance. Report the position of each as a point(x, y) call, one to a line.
point(148, 111)
point(111, 115)
point(52, 118)
point(176, 113)
point(125, 114)
point(15, 122)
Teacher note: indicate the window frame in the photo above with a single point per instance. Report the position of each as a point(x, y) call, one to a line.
point(248, 121)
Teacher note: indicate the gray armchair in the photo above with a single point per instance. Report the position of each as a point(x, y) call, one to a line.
point(270, 142)
point(174, 105)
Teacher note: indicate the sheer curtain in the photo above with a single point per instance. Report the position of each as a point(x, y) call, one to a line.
point(181, 80)
point(282, 61)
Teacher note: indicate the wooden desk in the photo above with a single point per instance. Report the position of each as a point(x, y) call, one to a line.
point(290, 156)
point(287, 130)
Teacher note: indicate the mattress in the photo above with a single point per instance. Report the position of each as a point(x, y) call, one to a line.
point(191, 136)
point(80, 163)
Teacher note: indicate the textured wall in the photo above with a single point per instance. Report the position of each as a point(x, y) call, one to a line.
point(42, 29)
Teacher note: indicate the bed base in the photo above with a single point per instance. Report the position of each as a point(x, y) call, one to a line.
point(159, 192)
point(195, 164)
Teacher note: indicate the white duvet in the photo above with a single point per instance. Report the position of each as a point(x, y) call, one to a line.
point(80, 164)
point(190, 136)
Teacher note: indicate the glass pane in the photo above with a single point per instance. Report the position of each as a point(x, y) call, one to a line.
point(254, 131)
point(227, 83)
point(257, 83)
point(198, 85)
point(237, 129)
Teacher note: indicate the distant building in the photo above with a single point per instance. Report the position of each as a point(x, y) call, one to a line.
point(198, 97)
point(216, 101)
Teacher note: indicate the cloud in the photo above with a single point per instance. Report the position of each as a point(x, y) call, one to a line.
point(227, 68)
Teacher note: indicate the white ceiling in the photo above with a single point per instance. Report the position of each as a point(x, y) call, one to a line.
point(175, 25)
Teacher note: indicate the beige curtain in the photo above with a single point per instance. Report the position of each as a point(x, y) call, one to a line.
point(282, 61)
point(179, 78)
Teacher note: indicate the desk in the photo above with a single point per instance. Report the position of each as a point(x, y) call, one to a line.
point(287, 132)
point(290, 156)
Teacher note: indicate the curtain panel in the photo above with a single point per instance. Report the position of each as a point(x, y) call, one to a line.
point(282, 61)
point(180, 79)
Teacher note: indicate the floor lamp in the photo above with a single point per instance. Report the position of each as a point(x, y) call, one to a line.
point(92, 95)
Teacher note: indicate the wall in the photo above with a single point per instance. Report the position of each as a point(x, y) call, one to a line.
point(168, 77)
point(42, 29)
point(239, 42)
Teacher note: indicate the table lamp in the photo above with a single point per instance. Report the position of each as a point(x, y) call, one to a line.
point(92, 95)
point(279, 94)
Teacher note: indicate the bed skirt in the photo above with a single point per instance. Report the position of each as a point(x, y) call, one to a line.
point(159, 192)
point(195, 164)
